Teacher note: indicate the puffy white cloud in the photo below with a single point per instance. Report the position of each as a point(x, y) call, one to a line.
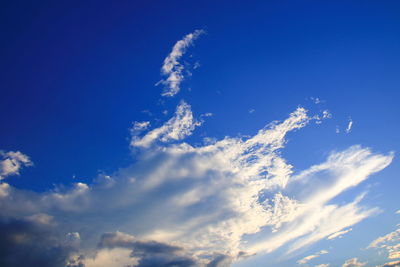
point(172, 68)
point(353, 263)
point(310, 257)
point(11, 162)
point(322, 265)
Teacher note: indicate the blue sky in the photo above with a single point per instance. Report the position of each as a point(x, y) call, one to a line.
point(140, 134)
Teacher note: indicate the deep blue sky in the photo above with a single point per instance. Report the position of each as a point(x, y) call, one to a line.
point(74, 75)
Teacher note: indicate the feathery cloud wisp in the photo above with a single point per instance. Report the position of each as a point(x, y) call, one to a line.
point(310, 257)
point(172, 68)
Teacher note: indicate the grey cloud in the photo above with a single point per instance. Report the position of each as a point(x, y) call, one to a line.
point(27, 243)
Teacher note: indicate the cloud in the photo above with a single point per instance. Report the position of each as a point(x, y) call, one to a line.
point(349, 126)
point(184, 205)
point(381, 241)
point(353, 263)
point(315, 219)
point(172, 68)
point(322, 265)
point(389, 242)
point(32, 243)
point(339, 234)
point(310, 257)
point(177, 128)
point(11, 162)
point(316, 100)
point(391, 264)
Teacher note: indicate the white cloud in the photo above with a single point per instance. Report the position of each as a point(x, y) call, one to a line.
point(391, 264)
point(349, 126)
point(11, 162)
point(315, 219)
point(172, 68)
point(201, 204)
point(339, 234)
point(316, 100)
point(389, 243)
point(177, 128)
point(322, 265)
point(381, 241)
point(310, 257)
point(353, 263)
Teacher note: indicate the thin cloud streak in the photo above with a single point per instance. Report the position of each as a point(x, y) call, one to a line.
point(172, 68)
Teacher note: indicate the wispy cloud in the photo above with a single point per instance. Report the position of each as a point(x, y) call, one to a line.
point(349, 126)
point(310, 257)
point(339, 234)
point(353, 263)
point(172, 68)
point(177, 128)
point(194, 205)
point(389, 243)
point(11, 162)
point(390, 264)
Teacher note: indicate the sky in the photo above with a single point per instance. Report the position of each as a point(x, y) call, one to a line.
point(200, 133)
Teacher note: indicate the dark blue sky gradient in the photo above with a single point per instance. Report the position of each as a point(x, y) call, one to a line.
point(73, 76)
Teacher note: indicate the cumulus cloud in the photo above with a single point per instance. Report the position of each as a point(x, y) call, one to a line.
point(172, 68)
point(322, 265)
point(310, 257)
point(11, 162)
point(353, 263)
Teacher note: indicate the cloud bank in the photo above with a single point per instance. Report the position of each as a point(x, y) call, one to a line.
point(184, 205)
point(178, 204)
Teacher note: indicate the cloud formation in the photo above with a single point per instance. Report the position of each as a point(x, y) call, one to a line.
point(310, 257)
point(172, 68)
point(11, 162)
point(184, 205)
point(391, 264)
point(349, 126)
point(353, 263)
point(178, 127)
point(390, 243)
point(339, 234)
